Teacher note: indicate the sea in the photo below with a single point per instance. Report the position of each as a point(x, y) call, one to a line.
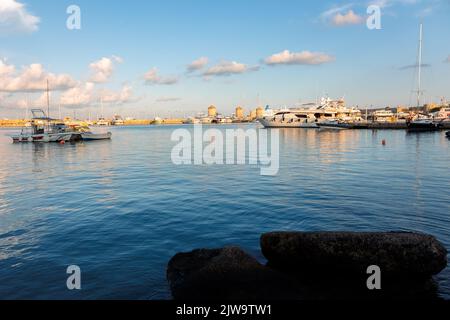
point(120, 209)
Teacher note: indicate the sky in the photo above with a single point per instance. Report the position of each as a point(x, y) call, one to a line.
point(174, 58)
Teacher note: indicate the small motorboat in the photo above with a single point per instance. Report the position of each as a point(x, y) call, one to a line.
point(90, 136)
point(423, 125)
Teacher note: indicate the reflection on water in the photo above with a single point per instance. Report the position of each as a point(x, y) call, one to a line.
point(120, 209)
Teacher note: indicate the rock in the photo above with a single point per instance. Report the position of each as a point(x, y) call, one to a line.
point(225, 274)
point(396, 253)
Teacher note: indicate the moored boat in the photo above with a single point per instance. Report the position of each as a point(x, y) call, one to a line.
point(45, 129)
point(334, 124)
point(289, 119)
point(90, 136)
point(422, 125)
point(311, 117)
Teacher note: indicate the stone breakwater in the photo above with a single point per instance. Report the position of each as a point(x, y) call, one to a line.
point(312, 266)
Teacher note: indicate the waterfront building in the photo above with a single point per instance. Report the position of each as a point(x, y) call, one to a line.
point(212, 111)
point(239, 113)
point(259, 112)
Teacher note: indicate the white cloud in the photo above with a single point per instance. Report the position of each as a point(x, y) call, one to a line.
point(335, 10)
point(86, 94)
point(301, 58)
point(14, 18)
point(32, 78)
point(153, 78)
point(349, 18)
point(80, 95)
point(123, 96)
point(5, 69)
point(198, 64)
point(102, 70)
point(168, 99)
point(226, 68)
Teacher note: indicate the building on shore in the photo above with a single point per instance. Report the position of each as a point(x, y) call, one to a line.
point(239, 114)
point(212, 111)
point(259, 112)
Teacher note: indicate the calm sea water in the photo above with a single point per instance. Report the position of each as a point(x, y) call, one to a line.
point(120, 209)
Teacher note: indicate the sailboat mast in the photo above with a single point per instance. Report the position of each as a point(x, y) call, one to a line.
point(419, 88)
point(101, 106)
point(48, 101)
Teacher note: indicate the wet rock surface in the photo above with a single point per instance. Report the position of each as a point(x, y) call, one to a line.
point(226, 273)
point(398, 254)
point(312, 266)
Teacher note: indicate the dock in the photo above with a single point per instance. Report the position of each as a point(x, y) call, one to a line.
point(387, 125)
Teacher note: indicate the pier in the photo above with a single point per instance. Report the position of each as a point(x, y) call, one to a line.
point(387, 125)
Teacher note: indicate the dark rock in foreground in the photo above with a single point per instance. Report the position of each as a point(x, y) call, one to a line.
point(396, 253)
point(225, 274)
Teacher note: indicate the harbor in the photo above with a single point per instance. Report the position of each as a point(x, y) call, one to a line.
point(225, 158)
point(352, 118)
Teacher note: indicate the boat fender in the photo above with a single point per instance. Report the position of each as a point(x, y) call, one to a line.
point(62, 142)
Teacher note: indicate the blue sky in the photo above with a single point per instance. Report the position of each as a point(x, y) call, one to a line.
point(147, 47)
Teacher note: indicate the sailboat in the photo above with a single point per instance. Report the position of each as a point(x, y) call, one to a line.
point(422, 122)
point(101, 120)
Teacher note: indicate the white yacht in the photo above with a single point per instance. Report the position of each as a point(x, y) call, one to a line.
point(117, 121)
point(383, 115)
point(289, 119)
point(443, 114)
point(309, 117)
point(102, 122)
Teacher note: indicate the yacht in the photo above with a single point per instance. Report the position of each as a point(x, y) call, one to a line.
point(117, 121)
point(222, 120)
point(289, 119)
point(383, 116)
point(310, 115)
point(102, 122)
point(443, 114)
point(424, 124)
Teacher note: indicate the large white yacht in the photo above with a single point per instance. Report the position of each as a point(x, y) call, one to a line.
point(310, 115)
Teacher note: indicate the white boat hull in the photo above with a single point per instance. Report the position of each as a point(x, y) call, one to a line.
point(45, 137)
point(89, 136)
point(287, 124)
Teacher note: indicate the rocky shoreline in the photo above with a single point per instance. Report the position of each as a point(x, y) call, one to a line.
point(312, 266)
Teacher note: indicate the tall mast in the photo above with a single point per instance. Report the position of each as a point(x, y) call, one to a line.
point(48, 101)
point(27, 107)
point(419, 88)
point(101, 105)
